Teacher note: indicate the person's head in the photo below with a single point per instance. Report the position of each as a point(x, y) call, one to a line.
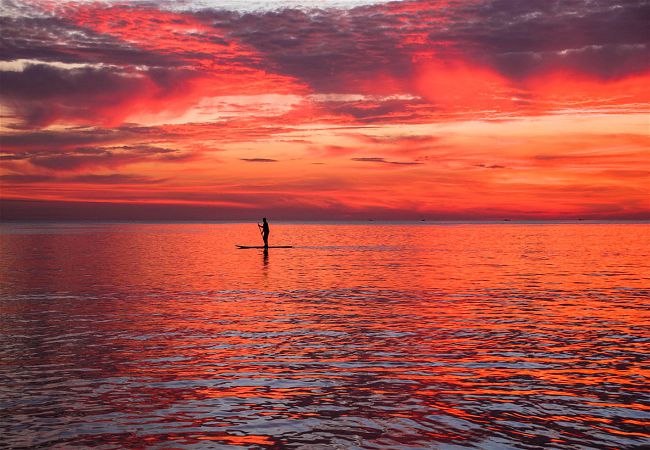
point(264, 219)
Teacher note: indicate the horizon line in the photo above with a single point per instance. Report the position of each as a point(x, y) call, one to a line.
point(324, 221)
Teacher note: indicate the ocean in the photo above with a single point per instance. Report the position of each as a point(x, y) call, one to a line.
point(361, 336)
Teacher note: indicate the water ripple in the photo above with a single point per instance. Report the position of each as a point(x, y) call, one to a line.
point(409, 349)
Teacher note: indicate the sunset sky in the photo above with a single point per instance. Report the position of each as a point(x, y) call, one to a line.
point(329, 109)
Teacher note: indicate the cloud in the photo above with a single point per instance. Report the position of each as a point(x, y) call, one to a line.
point(398, 145)
point(44, 94)
point(25, 178)
point(323, 47)
point(601, 38)
point(368, 89)
point(391, 62)
point(491, 166)
point(108, 179)
point(101, 63)
point(91, 157)
point(53, 39)
point(377, 112)
point(402, 139)
point(259, 160)
point(384, 161)
point(200, 44)
point(268, 5)
point(113, 178)
point(72, 137)
point(378, 48)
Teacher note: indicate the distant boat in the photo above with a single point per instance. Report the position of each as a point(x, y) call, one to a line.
point(506, 220)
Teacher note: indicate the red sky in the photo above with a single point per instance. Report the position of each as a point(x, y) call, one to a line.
point(480, 109)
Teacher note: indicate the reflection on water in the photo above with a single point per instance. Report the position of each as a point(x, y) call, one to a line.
point(378, 336)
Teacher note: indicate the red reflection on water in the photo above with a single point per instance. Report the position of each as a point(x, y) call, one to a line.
point(361, 335)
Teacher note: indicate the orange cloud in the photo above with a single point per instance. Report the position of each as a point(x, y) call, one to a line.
point(458, 85)
point(401, 110)
point(563, 89)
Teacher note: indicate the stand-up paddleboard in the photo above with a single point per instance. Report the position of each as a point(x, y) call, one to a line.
point(261, 246)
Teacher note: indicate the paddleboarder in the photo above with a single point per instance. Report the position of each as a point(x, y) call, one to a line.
point(264, 229)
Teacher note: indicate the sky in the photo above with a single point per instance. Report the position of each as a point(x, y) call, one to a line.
point(329, 109)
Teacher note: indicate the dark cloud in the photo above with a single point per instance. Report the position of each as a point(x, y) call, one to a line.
point(114, 178)
point(370, 159)
point(141, 149)
point(519, 38)
point(72, 137)
point(376, 112)
point(53, 39)
point(73, 161)
point(341, 50)
point(85, 157)
point(385, 161)
point(46, 82)
point(42, 94)
point(259, 160)
point(372, 49)
point(332, 50)
point(491, 166)
point(19, 179)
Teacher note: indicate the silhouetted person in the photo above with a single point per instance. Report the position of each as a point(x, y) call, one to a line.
point(264, 227)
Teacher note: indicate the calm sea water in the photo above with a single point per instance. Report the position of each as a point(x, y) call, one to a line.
point(362, 336)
